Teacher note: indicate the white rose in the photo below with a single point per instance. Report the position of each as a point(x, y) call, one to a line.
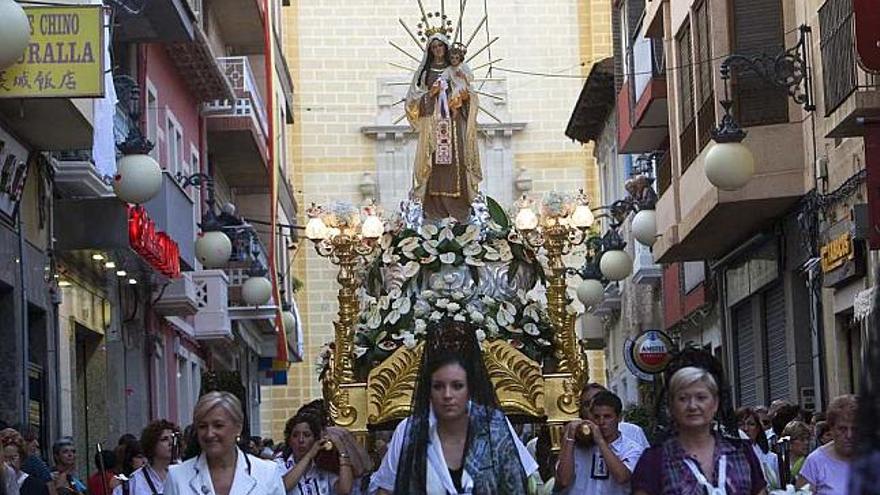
point(442, 303)
point(459, 317)
point(420, 327)
point(481, 335)
point(428, 294)
point(436, 316)
point(477, 317)
point(453, 307)
point(421, 308)
point(409, 340)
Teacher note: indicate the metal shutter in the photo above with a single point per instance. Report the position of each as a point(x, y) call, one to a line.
point(758, 29)
point(744, 338)
point(838, 59)
point(777, 357)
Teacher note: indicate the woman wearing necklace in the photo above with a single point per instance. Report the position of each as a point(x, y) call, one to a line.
point(156, 440)
point(697, 459)
point(446, 172)
point(221, 468)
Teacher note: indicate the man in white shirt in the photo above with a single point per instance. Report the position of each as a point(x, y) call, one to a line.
point(629, 430)
point(605, 467)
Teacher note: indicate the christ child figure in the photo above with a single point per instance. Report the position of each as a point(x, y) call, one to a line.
point(459, 77)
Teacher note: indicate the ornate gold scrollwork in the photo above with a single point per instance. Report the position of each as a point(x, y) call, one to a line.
point(391, 384)
point(517, 379)
point(338, 403)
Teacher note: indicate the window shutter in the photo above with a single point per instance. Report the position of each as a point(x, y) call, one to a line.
point(703, 45)
point(777, 358)
point(744, 337)
point(758, 29)
point(685, 74)
point(838, 59)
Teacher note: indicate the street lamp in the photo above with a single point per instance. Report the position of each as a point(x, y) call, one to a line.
point(729, 164)
point(138, 176)
point(340, 236)
point(213, 246)
point(15, 32)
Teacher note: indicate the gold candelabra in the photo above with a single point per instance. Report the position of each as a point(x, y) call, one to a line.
point(340, 236)
point(563, 224)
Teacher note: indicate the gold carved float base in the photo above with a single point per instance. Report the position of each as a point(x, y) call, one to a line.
point(522, 390)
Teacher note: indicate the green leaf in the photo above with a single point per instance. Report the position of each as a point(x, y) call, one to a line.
point(496, 212)
point(511, 271)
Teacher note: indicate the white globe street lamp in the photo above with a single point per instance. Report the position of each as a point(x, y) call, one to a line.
point(213, 248)
point(615, 265)
point(729, 165)
point(256, 291)
point(590, 292)
point(15, 32)
point(138, 178)
point(288, 321)
point(644, 227)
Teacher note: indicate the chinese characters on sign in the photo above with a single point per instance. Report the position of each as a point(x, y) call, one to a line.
point(64, 57)
point(158, 248)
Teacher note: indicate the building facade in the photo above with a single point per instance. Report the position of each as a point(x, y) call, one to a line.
point(121, 321)
point(348, 124)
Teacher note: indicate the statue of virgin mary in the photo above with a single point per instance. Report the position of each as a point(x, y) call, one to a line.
point(447, 171)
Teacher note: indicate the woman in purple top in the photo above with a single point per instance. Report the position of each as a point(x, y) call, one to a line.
point(697, 460)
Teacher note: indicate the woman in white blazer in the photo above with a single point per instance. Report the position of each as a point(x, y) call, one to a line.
point(221, 468)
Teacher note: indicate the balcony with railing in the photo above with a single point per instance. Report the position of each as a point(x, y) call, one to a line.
point(249, 257)
point(641, 104)
point(850, 93)
point(237, 128)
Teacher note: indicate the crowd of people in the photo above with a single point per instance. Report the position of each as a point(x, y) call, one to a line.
point(458, 440)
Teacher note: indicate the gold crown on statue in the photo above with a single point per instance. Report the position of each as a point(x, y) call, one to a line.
point(426, 30)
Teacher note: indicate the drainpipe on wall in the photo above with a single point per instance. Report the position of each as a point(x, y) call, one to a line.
point(23, 321)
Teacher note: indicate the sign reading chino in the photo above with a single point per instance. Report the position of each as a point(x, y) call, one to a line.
point(64, 58)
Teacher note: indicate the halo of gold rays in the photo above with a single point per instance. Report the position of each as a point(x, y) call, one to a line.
point(437, 21)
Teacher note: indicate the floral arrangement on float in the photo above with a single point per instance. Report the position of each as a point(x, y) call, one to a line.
point(480, 273)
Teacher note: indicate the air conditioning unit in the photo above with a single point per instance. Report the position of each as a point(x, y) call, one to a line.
point(178, 298)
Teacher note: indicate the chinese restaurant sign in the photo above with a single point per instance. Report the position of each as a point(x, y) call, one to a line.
point(157, 247)
point(64, 57)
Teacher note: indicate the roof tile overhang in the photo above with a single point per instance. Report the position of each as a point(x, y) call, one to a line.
point(205, 77)
point(594, 104)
